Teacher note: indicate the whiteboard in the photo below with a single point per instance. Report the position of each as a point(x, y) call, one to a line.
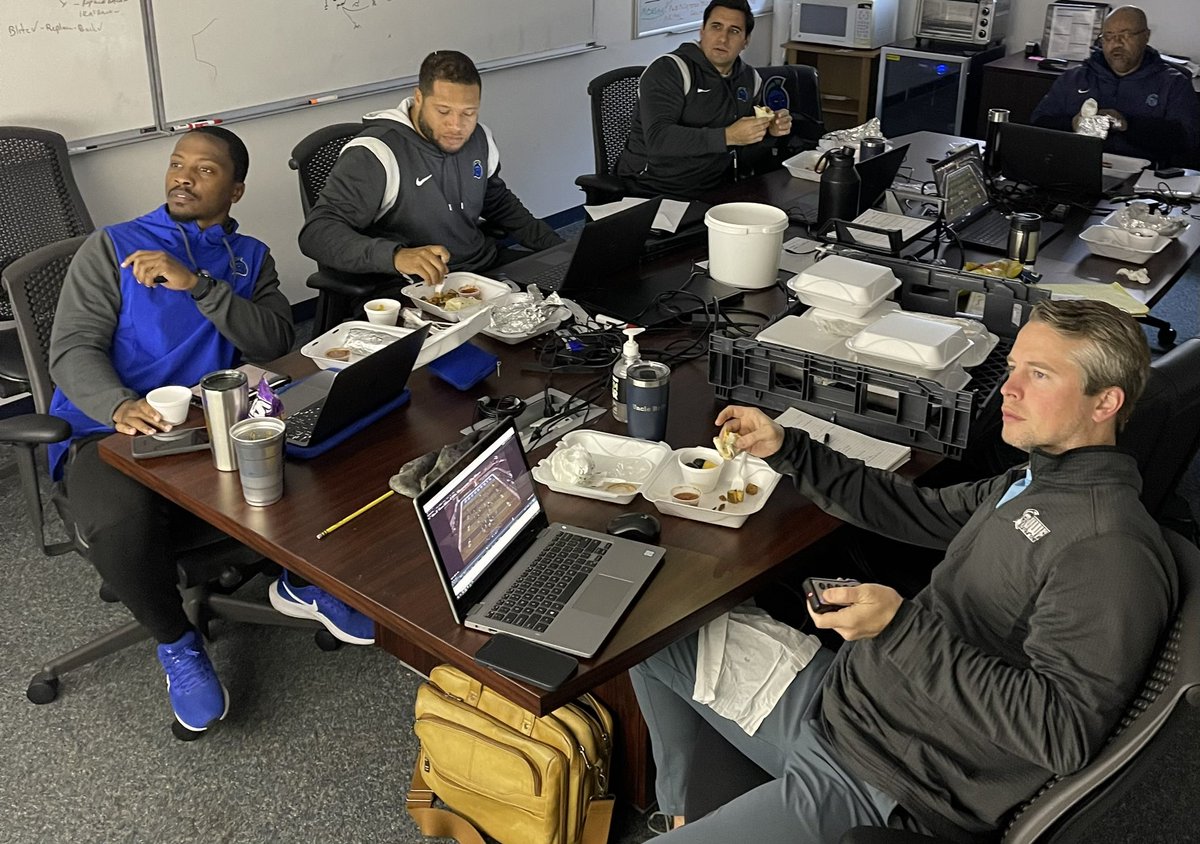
point(77, 67)
point(655, 16)
point(224, 57)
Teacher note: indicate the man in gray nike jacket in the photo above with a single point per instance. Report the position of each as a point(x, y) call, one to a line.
point(407, 195)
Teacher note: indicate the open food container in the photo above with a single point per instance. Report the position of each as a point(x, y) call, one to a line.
point(448, 305)
point(629, 456)
point(352, 341)
point(1122, 245)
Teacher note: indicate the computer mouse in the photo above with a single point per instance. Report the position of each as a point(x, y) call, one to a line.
point(640, 526)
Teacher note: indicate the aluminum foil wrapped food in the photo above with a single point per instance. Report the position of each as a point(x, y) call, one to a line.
point(1138, 216)
point(853, 135)
point(364, 341)
point(1091, 122)
point(522, 313)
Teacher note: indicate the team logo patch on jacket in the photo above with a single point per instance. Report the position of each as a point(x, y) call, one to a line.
point(743, 94)
point(1152, 101)
point(1031, 525)
point(477, 169)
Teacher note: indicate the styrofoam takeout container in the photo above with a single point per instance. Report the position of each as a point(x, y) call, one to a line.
point(658, 491)
point(844, 285)
point(1122, 245)
point(907, 338)
point(802, 165)
point(439, 341)
point(489, 289)
point(1114, 219)
point(642, 456)
point(1123, 165)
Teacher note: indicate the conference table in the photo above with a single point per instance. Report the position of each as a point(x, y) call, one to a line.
point(379, 563)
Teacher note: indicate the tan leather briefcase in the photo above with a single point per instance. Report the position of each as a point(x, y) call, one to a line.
point(519, 778)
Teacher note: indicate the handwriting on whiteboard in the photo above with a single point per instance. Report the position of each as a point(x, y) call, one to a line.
point(64, 17)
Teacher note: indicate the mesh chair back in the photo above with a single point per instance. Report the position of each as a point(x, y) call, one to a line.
point(34, 283)
point(1066, 807)
point(314, 157)
point(39, 200)
point(614, 101)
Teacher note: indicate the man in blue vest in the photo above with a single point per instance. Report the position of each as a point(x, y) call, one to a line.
point(165, 299)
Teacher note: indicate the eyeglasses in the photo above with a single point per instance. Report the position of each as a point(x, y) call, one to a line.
point(1119, 37)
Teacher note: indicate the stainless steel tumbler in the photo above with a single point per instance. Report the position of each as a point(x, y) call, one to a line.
point(226, 400)
point(997, 117)
point(1024, 232)
point(646, 395)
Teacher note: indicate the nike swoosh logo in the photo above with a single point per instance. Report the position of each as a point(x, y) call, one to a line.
point(1084, 90)
point(703, 90)
point(423, 181)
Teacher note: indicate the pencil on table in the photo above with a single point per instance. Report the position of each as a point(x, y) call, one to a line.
point(355, 514)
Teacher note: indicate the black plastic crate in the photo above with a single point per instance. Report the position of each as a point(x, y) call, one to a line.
point(889, 405)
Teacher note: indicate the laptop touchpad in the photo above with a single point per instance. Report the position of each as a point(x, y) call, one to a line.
point(603, 596)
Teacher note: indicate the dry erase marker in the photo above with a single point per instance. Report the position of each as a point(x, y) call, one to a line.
point(318, 100)
point(183, 127)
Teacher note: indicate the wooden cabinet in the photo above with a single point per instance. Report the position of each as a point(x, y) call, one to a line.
point(847, 80)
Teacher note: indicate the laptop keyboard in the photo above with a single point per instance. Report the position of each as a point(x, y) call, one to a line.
point(539, 594)
point(549, 279)
point(991, 229)
point(300, 424)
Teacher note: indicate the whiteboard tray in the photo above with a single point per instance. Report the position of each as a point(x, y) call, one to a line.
point(658, 492)
point(441, 339)
point(608, 451)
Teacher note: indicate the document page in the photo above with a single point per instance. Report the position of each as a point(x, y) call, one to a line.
point(909, 227)
point(878, 454)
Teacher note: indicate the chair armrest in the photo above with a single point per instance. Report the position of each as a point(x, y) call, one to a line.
point(34, 429)
point(601, 188)
point(348, 284)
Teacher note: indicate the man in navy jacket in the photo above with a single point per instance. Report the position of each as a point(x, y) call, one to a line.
point(1152, 107)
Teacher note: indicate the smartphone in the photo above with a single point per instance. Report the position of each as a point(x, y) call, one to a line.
point(1169, 172)
point(526, 661)
point(814, 586)
point(169, 442)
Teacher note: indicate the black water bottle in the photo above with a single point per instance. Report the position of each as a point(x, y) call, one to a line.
point(839, 187)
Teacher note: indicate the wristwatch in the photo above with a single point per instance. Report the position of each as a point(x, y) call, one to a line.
point(203, 286)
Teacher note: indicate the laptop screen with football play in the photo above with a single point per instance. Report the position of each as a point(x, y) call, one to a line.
point(481, 512)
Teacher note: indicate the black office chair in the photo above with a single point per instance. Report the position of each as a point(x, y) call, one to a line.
point(1066, 807)
point(794, 87)
point(312, 159)
point(39, 204)
point(614, 99)
point(211, 565)
point(1164, 433)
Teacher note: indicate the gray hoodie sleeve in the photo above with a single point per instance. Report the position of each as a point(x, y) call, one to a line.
point(90, 306)
point(332, 234)
point(502, 208)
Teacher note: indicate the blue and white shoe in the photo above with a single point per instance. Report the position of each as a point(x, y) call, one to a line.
point(196, 693)
point(346, 624)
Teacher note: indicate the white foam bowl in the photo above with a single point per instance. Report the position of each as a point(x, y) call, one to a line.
point(1122, 245)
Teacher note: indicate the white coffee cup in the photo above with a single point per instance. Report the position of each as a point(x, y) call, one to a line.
point(382, 311)
point(171, 403)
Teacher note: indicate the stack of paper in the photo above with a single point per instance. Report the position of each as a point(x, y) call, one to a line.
point(878, 454)
point(1113, 294)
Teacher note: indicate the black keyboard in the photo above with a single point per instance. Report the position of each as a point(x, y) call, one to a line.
point(990, 230)
point(539, 594)
point(300, 424)
point(549, 279)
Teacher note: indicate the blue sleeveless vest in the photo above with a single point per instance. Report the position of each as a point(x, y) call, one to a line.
point(161, 337)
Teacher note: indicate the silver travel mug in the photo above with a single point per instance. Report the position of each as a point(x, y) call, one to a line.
point(259, 443)
point(871, 147)
point(226, 400)
point(1024, 232)
point(997, 117)
point(646, 395)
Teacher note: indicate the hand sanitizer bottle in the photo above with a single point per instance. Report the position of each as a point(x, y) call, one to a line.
point(630, 354)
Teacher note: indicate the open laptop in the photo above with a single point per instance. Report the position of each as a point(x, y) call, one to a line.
point(507, 569)
point(1065, 165)
point(600, 271)
point(327, 402)
point(968, 210)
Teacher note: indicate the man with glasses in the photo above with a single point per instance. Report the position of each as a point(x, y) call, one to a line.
point(1152, 109)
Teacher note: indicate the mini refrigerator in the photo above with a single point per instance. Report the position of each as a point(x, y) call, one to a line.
point(931, 87)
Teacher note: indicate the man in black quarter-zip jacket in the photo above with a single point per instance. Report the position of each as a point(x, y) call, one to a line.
point(407, 195)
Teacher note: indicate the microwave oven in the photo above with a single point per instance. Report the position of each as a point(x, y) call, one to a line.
point(862, 24)
point(978, 22)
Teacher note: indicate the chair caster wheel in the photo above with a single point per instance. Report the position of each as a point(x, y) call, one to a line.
point(1167, 337)
point(326, 641)
point(43, 688)
point(183, 733)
